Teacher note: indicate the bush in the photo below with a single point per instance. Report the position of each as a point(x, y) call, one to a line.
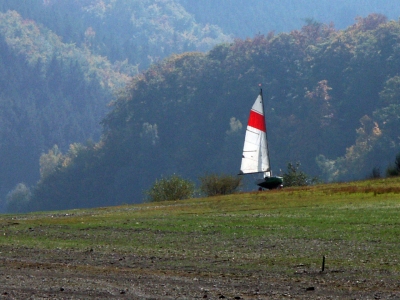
point(213, 184)
point(394, 170)
point(295, 177)
point(18, 199)
point(171, 188)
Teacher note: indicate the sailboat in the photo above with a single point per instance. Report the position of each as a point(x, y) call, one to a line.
point(255, 158)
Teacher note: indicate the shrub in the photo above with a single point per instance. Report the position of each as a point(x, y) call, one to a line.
point(295, 177)
point(214, 184)
point(170, 188)
point(376, 173)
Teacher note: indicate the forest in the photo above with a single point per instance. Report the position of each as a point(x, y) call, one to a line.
point(62, 62)
point(84, 124)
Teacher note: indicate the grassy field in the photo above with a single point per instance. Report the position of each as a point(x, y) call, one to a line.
point(274, 234)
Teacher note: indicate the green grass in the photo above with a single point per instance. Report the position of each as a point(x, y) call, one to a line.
point(355, 225)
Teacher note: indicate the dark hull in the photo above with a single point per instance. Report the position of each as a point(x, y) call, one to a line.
point(270, 183)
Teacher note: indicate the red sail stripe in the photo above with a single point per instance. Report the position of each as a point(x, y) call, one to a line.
point(257, 121)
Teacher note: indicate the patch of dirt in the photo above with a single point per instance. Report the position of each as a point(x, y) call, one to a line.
point(61, 274)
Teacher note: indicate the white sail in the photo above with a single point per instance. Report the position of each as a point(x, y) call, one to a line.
point(255, 151)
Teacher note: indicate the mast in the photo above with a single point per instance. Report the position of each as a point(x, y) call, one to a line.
point(266, 132)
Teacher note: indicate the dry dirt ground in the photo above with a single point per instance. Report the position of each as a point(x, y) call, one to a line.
point(61, 274)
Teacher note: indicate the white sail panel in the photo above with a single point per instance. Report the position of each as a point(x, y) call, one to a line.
point(255, 152)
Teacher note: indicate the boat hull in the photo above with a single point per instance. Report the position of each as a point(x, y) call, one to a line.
point(270, 183)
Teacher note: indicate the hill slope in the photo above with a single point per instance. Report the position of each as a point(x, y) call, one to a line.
point(137, 31)
point(61, 63)
point(332, 97)
point(52, 93)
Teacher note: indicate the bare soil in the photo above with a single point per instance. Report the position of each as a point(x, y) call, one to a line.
point(62, 274)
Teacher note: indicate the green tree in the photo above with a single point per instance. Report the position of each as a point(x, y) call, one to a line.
point(17, 201)
point(295, 177)
point(50, 161)
point(375, 173)
point(394, 169)
point(170, 188)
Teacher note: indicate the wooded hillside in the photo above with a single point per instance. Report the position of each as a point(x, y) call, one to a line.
point(332, 103)
point(138, 32)
point(62, 61)
point(331, 95)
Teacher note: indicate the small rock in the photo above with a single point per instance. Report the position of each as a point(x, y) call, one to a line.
point(310, 288)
